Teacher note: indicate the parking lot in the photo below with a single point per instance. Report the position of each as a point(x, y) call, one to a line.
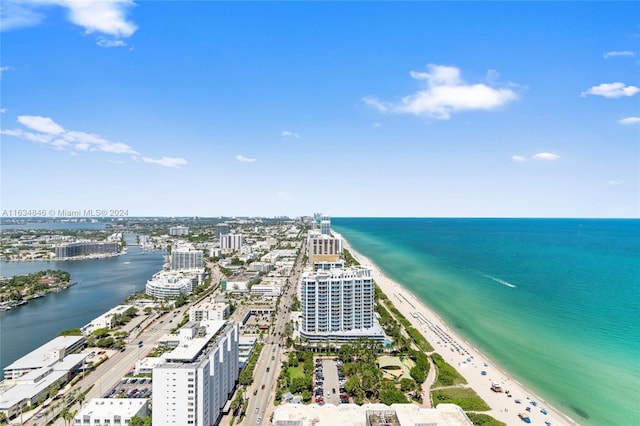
point(329, 382)
point(131, 387)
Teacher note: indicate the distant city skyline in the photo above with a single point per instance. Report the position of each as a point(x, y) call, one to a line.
point(387, 109)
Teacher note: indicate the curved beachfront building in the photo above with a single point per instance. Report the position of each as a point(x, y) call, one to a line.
point(169, 285)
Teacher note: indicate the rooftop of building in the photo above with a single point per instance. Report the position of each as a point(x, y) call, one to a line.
point(108, 407)
point(190, 348)
point(32, 383)
point(43, 356)
point(378, 414)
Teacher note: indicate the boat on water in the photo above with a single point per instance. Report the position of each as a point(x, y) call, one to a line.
point(126, 263)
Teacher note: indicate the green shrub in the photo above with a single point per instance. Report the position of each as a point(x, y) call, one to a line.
point(479, 419)
point(466, 398)
point(447, 375)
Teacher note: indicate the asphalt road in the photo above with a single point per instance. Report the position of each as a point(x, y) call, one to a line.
point(260, 404)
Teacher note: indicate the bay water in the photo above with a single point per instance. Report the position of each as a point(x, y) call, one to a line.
point(553, 302)
point(102, 284)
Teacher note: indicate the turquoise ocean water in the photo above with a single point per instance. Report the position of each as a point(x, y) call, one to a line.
point(554, 302)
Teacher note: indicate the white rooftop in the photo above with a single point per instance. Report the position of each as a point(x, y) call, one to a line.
point(188, 349)
point(43, 356)
point(356, 415)
point(108, 407)
point(35, 381)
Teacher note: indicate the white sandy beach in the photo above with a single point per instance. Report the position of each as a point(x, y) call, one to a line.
point(456, 351)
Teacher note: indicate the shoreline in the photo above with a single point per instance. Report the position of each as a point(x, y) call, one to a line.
point(456, 351)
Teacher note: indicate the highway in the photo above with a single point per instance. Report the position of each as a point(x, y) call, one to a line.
point(259, 407)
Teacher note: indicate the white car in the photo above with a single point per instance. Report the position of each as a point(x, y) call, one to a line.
point(258, 420)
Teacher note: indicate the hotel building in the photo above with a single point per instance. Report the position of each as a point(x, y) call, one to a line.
point(85, 248)
point(231, 242)
point(338, 305)
point(171, 284)
point(186, 257)
point(199, 375)
point(323, 247)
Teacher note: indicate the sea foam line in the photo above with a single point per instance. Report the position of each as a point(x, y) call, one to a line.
point(498, 280)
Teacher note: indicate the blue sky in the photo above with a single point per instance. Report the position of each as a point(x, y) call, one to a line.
point(496, 109)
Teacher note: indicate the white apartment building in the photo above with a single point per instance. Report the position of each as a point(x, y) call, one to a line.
point(186, 257)
point(106, 320)
point(231, 242)
point(325, 225)
point(259, 267)
point(338, 305)
point(199, 376)
point(179, 230)
point(111, 411)
point(266, 290)
point(171, 284)
point(209, 311)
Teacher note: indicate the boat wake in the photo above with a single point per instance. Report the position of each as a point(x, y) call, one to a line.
point(498, 280)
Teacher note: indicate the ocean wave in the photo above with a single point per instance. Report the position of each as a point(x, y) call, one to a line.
point(498, 280)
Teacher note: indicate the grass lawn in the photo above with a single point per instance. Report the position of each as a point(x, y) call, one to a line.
point(295, 372)
point(466, 398)
point(484, 420)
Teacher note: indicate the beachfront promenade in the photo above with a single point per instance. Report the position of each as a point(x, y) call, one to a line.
point(469, 362)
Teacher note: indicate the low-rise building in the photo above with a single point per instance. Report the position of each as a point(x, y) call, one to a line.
point(32, 377)
point(44, 356)
point(369, 415)
point(266, 290)
point(209, 311)
point(106, 320)
point(111, 411)
point(246, 345)
point(263, 267)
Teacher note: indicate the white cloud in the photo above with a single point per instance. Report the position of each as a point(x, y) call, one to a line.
point(287, 133)
point(518, 159)
point(548, 156)
point(32, 137)
point(244, 159)
point(93, 142)
point(40, 124)
point(446, 93)
point(103, 42)
point(14, 15)
point(166, 161)
point(3, 110)
point(629, 120)
point(2, 70)
point(48, 132)
point(104, 16)
point(615, 53)
point(614, 182)
point(611, 90)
